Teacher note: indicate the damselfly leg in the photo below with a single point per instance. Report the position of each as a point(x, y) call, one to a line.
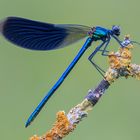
point(98, 68)
point(104, 53)
point(120, 42)
point(90, 58)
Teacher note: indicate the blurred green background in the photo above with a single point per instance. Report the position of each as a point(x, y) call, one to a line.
point(25, 75)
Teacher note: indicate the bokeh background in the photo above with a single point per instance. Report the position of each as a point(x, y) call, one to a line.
point(25, 75)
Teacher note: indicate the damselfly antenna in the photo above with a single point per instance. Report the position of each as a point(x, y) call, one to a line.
point(135, 42)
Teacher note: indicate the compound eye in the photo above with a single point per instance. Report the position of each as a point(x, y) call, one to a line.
point(116, 30)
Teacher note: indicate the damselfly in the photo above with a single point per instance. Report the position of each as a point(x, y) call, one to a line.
point(36, 35)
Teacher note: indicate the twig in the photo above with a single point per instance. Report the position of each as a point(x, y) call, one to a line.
point(119, 66)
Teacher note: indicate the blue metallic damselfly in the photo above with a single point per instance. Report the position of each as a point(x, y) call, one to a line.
point(41, 36)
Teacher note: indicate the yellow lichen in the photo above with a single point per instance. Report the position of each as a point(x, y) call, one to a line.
point(119, 60)
point(61, 128)
point(35, 137)
point(113, 60)
point(85, 105)
point(134, 71)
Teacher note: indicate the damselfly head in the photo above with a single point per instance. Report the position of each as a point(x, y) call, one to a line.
point(116, 30)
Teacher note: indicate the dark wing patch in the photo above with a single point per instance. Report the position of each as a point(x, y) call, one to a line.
point(37, 35)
